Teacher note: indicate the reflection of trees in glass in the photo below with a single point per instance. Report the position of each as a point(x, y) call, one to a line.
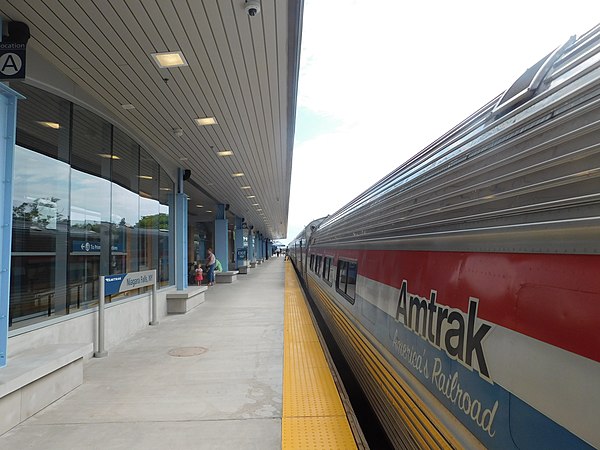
point(42, 212)
point(151, 222)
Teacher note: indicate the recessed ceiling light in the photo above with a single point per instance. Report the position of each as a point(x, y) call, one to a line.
point(237, 174)
point(52, 125)
point(202, 121)
point(259, 209)
point(225, 153)
point(183, 158)
point(145, 177)
point(199, 206)
point(127, 106)
point(108, 156)
point(209, 210)
point(246, 187)
point(166, 60)
point(250, 196)
point(165, 189)
point(254, 204)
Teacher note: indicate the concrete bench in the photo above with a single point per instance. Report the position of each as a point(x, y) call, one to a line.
point(243, 269)
point(253, 264)
point(38, 377)
point(226, 277)
point(180, 302)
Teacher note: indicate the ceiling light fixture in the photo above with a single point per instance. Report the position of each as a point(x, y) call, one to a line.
point(250, 196)
point(127, 106)
point(237, 174)
point(246, 187)
point(53, 125)
point(225, 153)
point(108, 156)
point(199, 206)
point(167, 60)
point(203, 121)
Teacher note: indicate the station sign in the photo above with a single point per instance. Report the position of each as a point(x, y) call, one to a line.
point(12, 60)
point(113, 284)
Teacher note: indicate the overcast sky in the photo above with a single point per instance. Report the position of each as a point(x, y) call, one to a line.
point(381, 79)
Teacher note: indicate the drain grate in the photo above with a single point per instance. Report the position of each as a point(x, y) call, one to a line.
point(187, 351)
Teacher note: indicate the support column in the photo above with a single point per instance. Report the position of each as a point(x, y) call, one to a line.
point(268, 248)
point(239, 242)
point(8, 127)
point(221, 241)
point(181, 235)
point(251, 255)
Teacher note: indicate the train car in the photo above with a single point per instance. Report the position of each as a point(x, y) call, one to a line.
point(464, 287)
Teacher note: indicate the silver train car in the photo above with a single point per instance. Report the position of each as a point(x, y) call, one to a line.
point(464, 288)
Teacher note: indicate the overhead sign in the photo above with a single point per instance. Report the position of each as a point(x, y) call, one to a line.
point(12, 60)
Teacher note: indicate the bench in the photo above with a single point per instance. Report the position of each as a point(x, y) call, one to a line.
point(243, 269)
point(226, 277)
point(180, 302)
point(38, 377)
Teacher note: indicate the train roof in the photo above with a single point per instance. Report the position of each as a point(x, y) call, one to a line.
point(564, 82)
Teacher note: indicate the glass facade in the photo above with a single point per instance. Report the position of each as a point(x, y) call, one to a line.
point(87, 201)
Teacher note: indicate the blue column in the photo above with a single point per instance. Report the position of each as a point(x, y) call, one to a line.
point(269, 248)
point(221, 241)
point(181, 235)
point(8, 127)
point(239, 241)
point(251, 255)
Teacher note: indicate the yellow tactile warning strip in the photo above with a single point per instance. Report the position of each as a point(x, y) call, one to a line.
point(313, 415)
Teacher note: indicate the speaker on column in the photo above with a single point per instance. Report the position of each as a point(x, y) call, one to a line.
point(187, 173)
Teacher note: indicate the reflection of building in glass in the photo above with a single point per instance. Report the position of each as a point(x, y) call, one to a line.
point(88, 201)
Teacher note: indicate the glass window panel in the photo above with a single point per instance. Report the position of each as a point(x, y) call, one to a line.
point(149, 212)
point(91, 147)
point(43, 122)
point(40, 214)
point(124, 252)
point(351, 286)
point(166, 199)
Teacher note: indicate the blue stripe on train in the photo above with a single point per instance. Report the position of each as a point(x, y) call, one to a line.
point(503, 420)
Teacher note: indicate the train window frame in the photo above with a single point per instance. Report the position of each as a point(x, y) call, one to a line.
point(312, 262)
point(342, 289)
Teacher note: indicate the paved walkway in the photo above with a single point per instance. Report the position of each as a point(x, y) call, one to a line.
point(141, 397)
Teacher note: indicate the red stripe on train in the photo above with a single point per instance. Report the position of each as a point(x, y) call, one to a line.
point(552, 298)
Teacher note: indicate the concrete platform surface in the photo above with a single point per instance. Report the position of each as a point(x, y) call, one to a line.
point(210, 379)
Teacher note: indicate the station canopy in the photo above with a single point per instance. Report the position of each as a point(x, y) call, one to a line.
point(239, 71)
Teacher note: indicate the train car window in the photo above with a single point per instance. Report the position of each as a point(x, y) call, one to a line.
point(327, 269)
point(312, 262)
point(345, 282)
point(318, 265)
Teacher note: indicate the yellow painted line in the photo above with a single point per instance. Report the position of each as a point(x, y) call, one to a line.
point(425, 429)
point(313, 414)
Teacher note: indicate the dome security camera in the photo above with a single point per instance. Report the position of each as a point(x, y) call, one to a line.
point(252, 7)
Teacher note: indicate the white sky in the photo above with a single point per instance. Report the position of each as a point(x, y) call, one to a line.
point(381, 79)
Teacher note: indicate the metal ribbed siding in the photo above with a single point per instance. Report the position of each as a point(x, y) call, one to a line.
point(313, 414)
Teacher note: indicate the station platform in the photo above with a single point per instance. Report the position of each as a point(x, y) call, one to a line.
point(243, 370)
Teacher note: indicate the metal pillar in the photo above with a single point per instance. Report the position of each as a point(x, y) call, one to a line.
point(181, 235)
point(221, 241)
point(251, 255)
point(239, 241)
point(8, 127)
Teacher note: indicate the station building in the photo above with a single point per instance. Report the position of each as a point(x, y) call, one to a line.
point(116, 162)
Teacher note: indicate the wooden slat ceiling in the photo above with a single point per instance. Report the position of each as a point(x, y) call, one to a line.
point(242, 70)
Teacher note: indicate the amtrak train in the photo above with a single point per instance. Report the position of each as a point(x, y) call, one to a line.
point(463, 289)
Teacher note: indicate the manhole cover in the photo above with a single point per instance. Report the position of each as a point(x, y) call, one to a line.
point(187, 351)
